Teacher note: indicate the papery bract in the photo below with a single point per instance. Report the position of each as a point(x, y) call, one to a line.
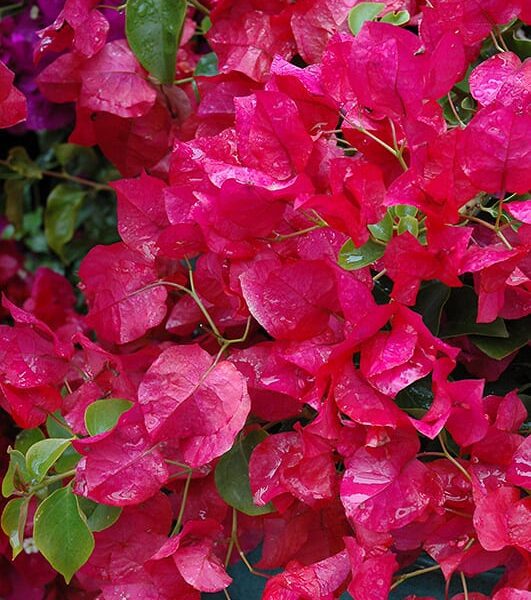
point(198, 404)
point(246, 40)
point(519, 471)
point(317, 581)
point(123, 549)
point(12, 102)
point(291, 301)
point(271, 135)
point(117, 282)
point(113, 81)
point(192, 551)
point(141, 213)
point(122, 466)
point(495, 154)
point(502, 519)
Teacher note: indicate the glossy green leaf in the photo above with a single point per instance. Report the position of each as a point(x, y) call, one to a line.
point(20, 162)
point(60, 216)
point(397, 18)
point(69, 459)
point(431, 299)
point(207, 65)
point(206, 24)
point(232, 475)
point(417, 398)
point(153, 29)
point(99, 516)
point(76, 159)
point(61, 532)
point(57, 427)
point(404, 210)
point(103, 415)
point(383, 230)
point(13, 522)
point(468, 103)
point(365, 11)
point(14, 202)
point(409, 224)
point(42, 456)
point(352, 258)
point(26, 438)
point(461, 314)
point(16, 474)
point(499, 348)
point(520, 43)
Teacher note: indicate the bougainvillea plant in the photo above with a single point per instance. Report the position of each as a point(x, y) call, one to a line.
point(312, 337)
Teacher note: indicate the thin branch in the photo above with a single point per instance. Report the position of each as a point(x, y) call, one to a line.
point(200, 7)
point(407, 576)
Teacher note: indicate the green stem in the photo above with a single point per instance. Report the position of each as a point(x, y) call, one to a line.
point(68, 177)
point(200, 7)
point(464, 584)
point(502, 41)
point(457, 464)
point(394, 151)
point(234, 537)
point(49, 480)
point(183, 81)
point(379, 275)
point(180, 516)
point(454, 110)
point(281, 237)
point(498, 232)
point(407, 576)
point(201, 306)
point(495, 42)
point(398, 151)
point(233, 534)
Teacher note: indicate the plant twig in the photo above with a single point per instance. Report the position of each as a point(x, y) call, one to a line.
point(455, 462)
point(199, 6)
point(180, 516)
point(407, 576)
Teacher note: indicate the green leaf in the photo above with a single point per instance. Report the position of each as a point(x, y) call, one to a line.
point(14, 521)
point(365, 11)
point(26, 438)
point(352, 258)
point(206, 24)
point(14, 202)
point(20, 162)
point(153, 29)
point(16, 474)
point(430, 302)
point(408, 224)
point(405, 210)
point(461, 314)
point(520, 43)
point(76, 159)
point(60, 216)
point(61, 532)
point(69, 459)
point(417, 397)
point(397, 18)
point(42, 456)
point(99, 516)
point(55, 429)
point(103, 415)
point(383, 230)
point(207, 65)
point(499, 348)
point(232, 475)
point(467, 103)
